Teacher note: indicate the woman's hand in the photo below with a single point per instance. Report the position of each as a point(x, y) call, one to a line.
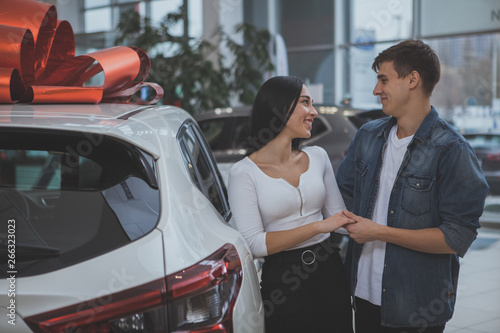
point(334, 222)
point(363, 230)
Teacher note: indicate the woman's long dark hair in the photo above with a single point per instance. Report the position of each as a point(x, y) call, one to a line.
point(272, 107)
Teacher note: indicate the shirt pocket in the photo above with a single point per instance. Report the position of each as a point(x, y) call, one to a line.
point(416, 197)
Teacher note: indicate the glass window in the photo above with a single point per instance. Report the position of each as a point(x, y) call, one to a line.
point(467, 94)
point(462, 17)
point(202, 168)
point(226, 133)
point(362, 78)
point(160, 8)
point(379, 20)
point(315, 67)
point(195, 17)
point(97, 20)
point(257, 12)
point(96, 3)
point(99, 16)
point(191, 152)
point(306, 23)
point(121, 9)
point(72, 196)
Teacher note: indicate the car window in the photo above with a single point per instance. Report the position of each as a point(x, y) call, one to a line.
point(202, 168)
point(72, 197)
point(213, 130)
point(231, 133)
point(358, 119)
point(318, 127)
point(483, 140)
point(226, 133)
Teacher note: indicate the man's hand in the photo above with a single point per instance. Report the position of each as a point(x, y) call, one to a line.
point(429, 240)
point(364, 230)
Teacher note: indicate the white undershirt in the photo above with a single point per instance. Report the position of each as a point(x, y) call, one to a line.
point(371, 263)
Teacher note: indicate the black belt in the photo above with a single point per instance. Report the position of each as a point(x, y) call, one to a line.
point(306, 255)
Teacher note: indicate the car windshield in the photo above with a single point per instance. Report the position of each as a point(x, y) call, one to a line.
point(71, 196)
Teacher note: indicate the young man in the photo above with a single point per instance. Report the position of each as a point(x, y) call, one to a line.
point(415, 188)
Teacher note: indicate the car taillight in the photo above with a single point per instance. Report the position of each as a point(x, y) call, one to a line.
point(197, 299)
point(493, 157)
point(201, 298)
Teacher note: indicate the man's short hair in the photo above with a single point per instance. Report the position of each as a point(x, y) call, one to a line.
point(412, 55)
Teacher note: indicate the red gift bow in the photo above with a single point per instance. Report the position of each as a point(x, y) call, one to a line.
point(38, 63)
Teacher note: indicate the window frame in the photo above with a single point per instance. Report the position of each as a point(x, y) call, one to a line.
point(189, 127)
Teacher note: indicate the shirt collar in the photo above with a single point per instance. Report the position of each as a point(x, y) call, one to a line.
point(424, 130)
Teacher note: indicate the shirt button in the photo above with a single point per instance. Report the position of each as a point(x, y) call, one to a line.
point(418, 184)
point(392, 212)
point(383, 290)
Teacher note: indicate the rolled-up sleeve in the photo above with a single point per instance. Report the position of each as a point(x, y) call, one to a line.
point(244, 206)
point(462, 192)
point(458, 237)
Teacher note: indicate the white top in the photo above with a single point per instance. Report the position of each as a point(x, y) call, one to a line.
point(260, 203)
point(371, 263)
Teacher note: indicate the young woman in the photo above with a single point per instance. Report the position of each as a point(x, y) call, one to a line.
point(280, 195)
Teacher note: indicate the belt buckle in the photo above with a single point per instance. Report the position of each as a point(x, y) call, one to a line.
point(308, 262)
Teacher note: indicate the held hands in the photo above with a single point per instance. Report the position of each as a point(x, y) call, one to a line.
point(334, 222)
point(363, 230)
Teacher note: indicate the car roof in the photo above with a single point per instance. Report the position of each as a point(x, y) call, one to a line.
point(133, 123)
point(240, 111)
point(80, 111)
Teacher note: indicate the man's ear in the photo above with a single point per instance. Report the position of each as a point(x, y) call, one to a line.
point(414, 78)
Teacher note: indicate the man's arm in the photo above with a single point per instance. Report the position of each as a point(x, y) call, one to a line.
point(430, 240)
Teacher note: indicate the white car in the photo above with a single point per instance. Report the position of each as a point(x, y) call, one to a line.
point(115, 219)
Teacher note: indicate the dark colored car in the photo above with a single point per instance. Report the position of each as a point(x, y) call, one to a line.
point(487, 148)
point(333, 129)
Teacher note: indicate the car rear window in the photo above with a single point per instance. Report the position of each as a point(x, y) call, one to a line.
point(358, 119)
point(72, 196)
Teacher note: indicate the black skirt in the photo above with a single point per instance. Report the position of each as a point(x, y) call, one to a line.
point(305, 290)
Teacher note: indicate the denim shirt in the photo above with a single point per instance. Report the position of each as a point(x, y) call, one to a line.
point(439, 185)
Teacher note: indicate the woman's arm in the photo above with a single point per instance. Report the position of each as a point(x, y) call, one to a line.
point(277, 241)
point(245, 208)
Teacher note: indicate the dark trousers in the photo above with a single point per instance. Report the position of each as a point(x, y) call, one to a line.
point(306, 298)
point(368, 320)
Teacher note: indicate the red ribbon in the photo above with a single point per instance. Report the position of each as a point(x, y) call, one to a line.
point(38, 63)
